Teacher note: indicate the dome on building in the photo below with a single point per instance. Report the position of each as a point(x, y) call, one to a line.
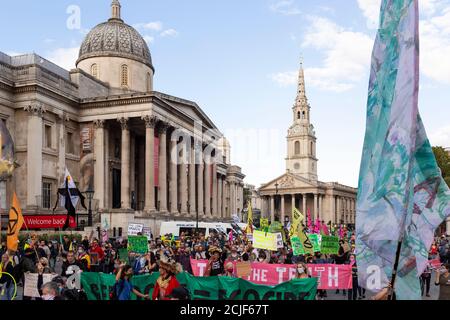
point(115, 38)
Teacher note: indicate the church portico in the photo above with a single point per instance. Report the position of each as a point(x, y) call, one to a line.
point(299, 187)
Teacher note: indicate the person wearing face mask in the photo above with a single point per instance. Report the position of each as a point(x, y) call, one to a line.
point(229, 270)
point(353, 292)
point(50, 292)
point(302, 271)
point(84, 259)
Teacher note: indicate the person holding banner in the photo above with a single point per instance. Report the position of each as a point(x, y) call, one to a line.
point(167, 280)
point(123, 286)
point(302, 271)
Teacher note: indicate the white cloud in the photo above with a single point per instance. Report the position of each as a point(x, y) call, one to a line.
point(371, 10)
point(14, 53)
point(441, 137)
point(154, 26)
point(169, 33)
point(149, 39)
point(285, 79)
point(64, 57)
point(285, 7)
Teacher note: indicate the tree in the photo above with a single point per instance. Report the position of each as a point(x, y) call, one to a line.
point(443, 160)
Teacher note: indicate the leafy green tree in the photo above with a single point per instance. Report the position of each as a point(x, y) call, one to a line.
point(443, 160)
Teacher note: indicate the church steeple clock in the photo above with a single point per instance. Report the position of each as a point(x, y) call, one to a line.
point(301, 157)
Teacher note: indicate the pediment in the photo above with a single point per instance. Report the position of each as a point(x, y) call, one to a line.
point(288, 181)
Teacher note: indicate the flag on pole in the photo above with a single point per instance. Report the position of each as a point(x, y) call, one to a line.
point(297, 220)
point(402, 197)
point(309, 222)
point(15, 223)
point(69, 195)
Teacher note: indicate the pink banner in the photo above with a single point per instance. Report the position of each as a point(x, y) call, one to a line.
point(330, 276)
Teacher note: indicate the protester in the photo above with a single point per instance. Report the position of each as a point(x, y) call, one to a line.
point(69, 265)
point(167, 281)
point(302, 271)
point(123, 287)
point(443, 281)
point(6, 282)
point(229, 270)
point(425, 281)
point(215, 264)
point(84, 260)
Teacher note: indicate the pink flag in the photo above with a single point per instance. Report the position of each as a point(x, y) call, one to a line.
point(341, 232)
point(325, 229)
point(317, 228)
point(309, 220)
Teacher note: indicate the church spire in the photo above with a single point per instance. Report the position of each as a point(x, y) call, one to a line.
point(116, 7)
point(301, 100)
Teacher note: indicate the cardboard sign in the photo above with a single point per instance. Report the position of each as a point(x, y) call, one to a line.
point(31, 279)
point(146, 231)
point(123, 255)
point(243, 269)
point(280, 242)
point(263, 240)
point(134, 229)
point(138, 244)
point(94, 259)
point(315, 240)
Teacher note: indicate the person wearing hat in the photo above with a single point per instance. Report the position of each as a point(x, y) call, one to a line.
point(215, 264)
point(167, 281)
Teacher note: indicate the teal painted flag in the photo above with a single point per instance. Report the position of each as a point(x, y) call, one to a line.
point(401, 192)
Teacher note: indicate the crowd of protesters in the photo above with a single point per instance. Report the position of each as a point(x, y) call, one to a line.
point(170, 255)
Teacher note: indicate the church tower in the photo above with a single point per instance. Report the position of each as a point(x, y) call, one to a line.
point(301, 140)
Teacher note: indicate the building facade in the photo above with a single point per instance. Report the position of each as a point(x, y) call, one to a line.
point(148, 156)
point(299, 186)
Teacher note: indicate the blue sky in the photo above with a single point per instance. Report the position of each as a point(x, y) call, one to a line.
point(239, 60)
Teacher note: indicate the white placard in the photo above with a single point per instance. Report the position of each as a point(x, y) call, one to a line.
point(280, 243)
point(134, 229)
point(31, 280)
point(146, 231)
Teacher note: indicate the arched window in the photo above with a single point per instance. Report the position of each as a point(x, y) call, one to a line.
point(94, 70)
point(124, 76)
point(298, 115)
point(304, 115)
point(297, 147)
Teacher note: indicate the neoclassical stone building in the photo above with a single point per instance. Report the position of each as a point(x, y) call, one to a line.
point(300, 186)
point(115, 134)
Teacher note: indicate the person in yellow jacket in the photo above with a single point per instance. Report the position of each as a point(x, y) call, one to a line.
point(84, 259)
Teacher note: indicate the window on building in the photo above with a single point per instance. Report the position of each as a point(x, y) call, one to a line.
point(69, 143)
point(297, 147)
point(124, 76)
point(46, 195)
point(298, 115)
point(94, 70)
point(48, 136)
point(303, 115)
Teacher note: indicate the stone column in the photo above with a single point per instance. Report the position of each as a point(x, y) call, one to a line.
point(321, 213)
point(315, 207)
point(125, 165)
point(214, 188)
point(162, 194)
point(219, 197)
point(224, 198)
point(173, 176)
point(282, 210)
point(332, 209)
point(292, 207)
point(207, 184)
point(192, 182)
point(272, 208)
point(304, 199)
point(184, 185)
point(200, 180)
point(150, 123)
point(34, 154)
point(99, 168)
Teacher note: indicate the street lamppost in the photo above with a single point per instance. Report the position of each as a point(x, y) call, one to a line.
point(89, 195)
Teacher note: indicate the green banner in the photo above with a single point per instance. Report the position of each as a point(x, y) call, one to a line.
point(329, 245)
point(98, 286)
point(138, 244)
point(275, 227)
point(314, 238)
point(297, 246)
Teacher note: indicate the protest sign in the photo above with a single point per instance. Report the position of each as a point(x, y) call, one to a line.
point(147, 232)
point(264, 224)
point(280, 242)
point(315, 241)
point(306, 242)
point(123, 255)
point(94, 258)
point(134, 229)
point(331, 276)
point(263, 240)
point(138, 244)
point(297, 246)
point(31, 280)
point(98, 286)
point(329, 245)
